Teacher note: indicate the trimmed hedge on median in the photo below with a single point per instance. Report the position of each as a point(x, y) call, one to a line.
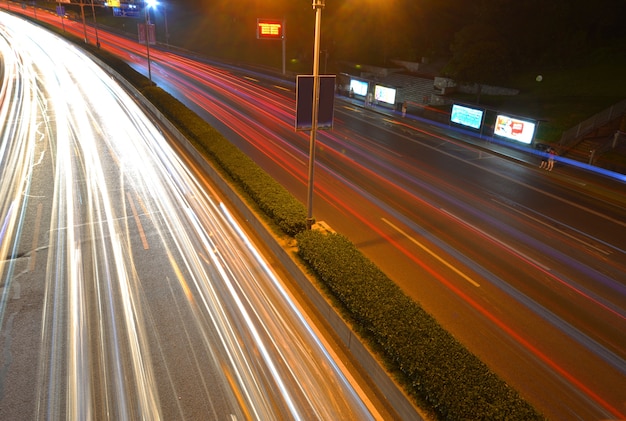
point(434, 367)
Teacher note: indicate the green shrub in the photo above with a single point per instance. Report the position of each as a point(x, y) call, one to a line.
point(434, 367)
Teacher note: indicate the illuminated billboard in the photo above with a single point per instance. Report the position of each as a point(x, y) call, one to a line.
point(467, 116)
point(514, 129)
point(385, 94)
point(269, 29)
point(125, 10)
point(358, 87)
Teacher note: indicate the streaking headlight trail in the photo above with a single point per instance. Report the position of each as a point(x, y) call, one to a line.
point(129, 291)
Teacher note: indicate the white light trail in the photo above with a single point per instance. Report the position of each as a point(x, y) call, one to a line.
point(152, 304)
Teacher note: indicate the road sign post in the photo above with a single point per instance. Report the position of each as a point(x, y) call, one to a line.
point(317, 6)
point(304, 102)
point(273, 29)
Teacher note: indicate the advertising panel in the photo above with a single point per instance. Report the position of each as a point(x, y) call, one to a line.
point(358, 87)
point(125, 10)
point(514, 129)
point(467, 116)
point(385, 94)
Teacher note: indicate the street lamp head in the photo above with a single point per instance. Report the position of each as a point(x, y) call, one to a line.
point(151, 3)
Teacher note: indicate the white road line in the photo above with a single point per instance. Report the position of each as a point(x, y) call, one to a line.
point(495, 240)
point(545, 224)
point(432, 253)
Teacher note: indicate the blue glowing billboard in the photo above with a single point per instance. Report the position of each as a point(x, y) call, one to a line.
point(467, 116)
point(358, 87)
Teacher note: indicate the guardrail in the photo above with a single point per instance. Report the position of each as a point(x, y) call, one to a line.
point(571, 136)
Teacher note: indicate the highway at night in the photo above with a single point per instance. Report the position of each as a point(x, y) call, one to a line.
point(129, 290)
point(525, 267)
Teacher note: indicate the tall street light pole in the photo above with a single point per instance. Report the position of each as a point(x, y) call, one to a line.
point(284, 41)
point(95, 24)
point(167, 32)
point(318, 5)
point(61, 10)
point(82, 13)
point(147, 37)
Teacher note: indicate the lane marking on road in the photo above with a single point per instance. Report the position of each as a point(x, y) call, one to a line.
point(282, 88)
point(142, 205)
point(432, 253)
point(142, 234)
point(498, 241)
point(33, 256)
point(552, 227)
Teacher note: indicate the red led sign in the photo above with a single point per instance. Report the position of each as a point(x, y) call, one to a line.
point(269, 29)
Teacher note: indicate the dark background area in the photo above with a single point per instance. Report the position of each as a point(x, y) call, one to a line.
point(485, 39)
point(577, 46)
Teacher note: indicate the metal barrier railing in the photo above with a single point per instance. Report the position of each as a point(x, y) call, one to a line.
point(572, 135)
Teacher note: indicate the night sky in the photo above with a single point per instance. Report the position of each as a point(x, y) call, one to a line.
point(524, 30)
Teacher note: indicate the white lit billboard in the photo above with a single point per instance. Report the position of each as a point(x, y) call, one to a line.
point(515, 129)
point(466, 116)
point(358, 87)
point(384, 94)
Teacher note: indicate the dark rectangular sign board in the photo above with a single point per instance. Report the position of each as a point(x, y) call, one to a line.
point(304, 102)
